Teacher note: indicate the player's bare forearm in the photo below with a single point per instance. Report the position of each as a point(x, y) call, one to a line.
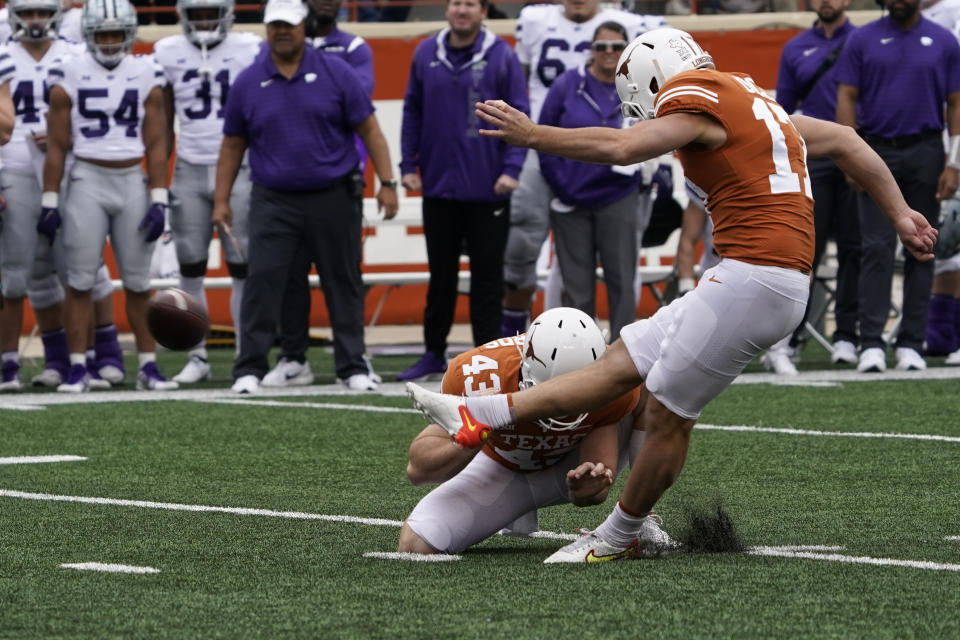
point(847, 97)
point(600, 145)
point(435, 458)
point(228, 166)
point(168, 111)
point(376, 146)
point(7, 114)
point(58, 139)
point(155, 139)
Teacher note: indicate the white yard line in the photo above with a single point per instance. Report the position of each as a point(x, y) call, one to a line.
point(308, 405)
point(810, 552)
point(834, 434)
point(412, 557)
point(952, 538)
point(836, 557)
point(173, 506)
point(108, 568)
point(40, 459)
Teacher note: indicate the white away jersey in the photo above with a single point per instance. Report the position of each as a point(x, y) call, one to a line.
point(30, 98)
point(198, 98)
point(549, 44)
point(107, 104)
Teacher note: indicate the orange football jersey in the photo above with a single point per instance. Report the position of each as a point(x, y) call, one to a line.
point(755, 185)
point(526, 446)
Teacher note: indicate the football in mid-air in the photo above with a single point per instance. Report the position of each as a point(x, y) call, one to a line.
point(176, 319)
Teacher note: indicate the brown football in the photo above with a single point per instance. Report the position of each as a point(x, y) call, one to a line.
point(176, 319)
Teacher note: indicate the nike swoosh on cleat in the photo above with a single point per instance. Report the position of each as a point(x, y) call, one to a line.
point(626, 553)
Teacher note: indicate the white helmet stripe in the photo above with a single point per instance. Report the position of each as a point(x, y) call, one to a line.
point(686, 87)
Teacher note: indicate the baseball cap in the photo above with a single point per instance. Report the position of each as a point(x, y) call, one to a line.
point(289, 11)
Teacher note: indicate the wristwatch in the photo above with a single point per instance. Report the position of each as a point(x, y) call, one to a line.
point(389, 184)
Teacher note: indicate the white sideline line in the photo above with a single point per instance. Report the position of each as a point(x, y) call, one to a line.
point(412, 557)
point(21, 407)
point(838, 434)
point(307, 405)
point(109, 568)
point(40, 459)
point(836, 557)
point(804, 547)
point(173, 506)
point(952, 538)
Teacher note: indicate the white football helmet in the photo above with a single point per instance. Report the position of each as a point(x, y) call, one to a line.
point(34, 30)
point(201, 31)
point(558, 341)
point(103, 16)
point(948, 243)
point(649, 61)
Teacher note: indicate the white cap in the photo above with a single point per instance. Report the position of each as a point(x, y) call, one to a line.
point(289, 11)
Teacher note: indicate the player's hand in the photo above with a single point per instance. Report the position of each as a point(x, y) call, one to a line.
point(947, 184)
point(387, 202)
point(411, 182)
point(916, 234)
point(49, 223)
point(589, 483)
point(512, 125)
point(505, 184)
point(222, 214)
point(154, 221)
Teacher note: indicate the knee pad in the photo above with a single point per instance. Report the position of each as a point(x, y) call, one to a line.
point(237, 271)
point(14, 284)
point(45, 292)
point(195, 270)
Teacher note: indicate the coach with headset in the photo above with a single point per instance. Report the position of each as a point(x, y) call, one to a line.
point(296, 110)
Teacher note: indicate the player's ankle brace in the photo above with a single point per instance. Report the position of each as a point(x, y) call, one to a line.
point(491, 410)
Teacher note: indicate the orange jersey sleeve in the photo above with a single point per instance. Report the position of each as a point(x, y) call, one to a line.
point(526, 446)
point(756, 185)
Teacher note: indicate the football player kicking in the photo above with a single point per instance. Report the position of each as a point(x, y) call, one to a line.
point(531, 464)
point(199, 67)
point(110, 104)
point(28, 265)
point(747, 157)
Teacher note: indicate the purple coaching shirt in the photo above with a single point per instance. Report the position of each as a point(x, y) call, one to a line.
point(299, 131)
point(903, 76)
point(802, 58)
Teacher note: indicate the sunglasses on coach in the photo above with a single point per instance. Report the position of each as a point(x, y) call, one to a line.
point(609, 45)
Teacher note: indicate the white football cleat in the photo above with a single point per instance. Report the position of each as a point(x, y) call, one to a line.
point(196, 370)
point(359, 382)
point(288, 373)
point(50, 378)
point(873, 360)
point(653, 539)
point(440, 408)
point(909, 360)
point(591, 548)
point(844, 351)
point(953, 358)
point(246, 384)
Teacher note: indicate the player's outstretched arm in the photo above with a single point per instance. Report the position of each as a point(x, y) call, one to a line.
point(601, 145)
point(860, 162)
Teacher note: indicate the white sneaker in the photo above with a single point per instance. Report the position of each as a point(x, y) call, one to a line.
point(112, 374)
point(196, 370)
point(778, 361)
point(953, 358)
point(909, 360)
point(872, 360)
point(844, 351)
point(49, 378)
point(439, 408)
point(591, 548)
point(288, 373)
point(653, 539)
point(246, 384)
point(149, 378)
point(359, 382)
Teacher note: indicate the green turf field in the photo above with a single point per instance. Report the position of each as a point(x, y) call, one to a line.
point(306, 487)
